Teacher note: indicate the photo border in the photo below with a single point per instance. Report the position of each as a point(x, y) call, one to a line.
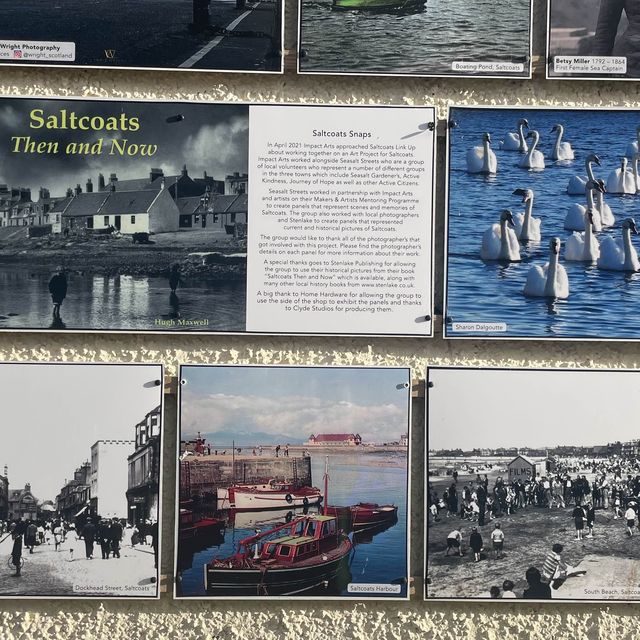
point(159, 573)
point(376, 74)
point(476, 599)
point(408, 503)
point(430, 220)
point(447, 190)
point(549, 60)
point(41, 65)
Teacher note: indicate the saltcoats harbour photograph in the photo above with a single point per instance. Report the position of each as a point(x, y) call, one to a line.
point(123, 216)
point(415, 37)
point(293, 481)
point(542, 237)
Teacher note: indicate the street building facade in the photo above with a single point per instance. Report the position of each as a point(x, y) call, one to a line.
point(335, 440)
point(108, 478)
point(22, 504)
point(144, 470)
point(73, 499)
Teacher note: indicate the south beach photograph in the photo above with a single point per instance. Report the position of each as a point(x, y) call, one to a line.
point(80, 480)
point(532, 493)
point(542, 236)
point(123, 216)
point(415, 37)
point(203, 35)
point(293, 481)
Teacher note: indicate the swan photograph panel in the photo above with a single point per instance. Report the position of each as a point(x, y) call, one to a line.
point(532, 493)
point(593, 39)
point(581, 190)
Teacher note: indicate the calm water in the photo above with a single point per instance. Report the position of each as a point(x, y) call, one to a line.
point(378, 558)
point(121, 302)
point(601, 304)
point(425, 41)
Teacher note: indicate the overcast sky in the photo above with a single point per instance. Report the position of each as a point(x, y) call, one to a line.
point(211, 138)
point(484, 408)
point(296, 401)
point(52, 414)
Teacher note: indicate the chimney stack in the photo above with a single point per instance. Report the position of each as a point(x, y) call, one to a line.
point(101, 184)
point(89, 186)
point(155, 174)
point(78, 189)
point(184, 171)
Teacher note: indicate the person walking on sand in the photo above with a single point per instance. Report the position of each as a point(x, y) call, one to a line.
point(630, 518)
point(58, 289)
point(476, 544)
point(578, 516)
point(591, 518)
point(454, 541)
point(497, 539)
point(277, 450)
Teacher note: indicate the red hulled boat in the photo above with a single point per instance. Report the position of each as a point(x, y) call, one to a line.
point(364, 515)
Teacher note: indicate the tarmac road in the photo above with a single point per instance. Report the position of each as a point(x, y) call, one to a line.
point(146, 33)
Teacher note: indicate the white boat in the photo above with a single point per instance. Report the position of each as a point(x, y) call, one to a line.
point(272, 495)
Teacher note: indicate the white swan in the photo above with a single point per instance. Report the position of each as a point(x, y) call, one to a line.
point(583, 247)
point(636, 176)
point(527, 227)
point(550, 281)
point(482, 159)
point(577, 184)
point(606, 215)
point(534, 159)
point(516, 141)
point(574, 220)
point(621, 180)
point(633, 147)
point(561, 150)
point(620, 255)
point(499, 242)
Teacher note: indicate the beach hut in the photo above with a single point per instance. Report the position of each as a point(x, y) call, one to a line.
point(523, 468)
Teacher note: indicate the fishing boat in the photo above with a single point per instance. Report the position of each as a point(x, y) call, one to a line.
point(310, 551)
point(271, 495)
point(191, 527)
point(379, 5)
point(364, 515)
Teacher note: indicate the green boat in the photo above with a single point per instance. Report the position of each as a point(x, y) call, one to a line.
point(378, 5)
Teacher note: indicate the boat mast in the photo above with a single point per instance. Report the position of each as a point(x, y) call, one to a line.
point(326, 484)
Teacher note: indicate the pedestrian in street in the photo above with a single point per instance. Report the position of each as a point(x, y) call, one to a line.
point(154, 542)
point(58, 535)
point(31, 535)
point(115, 536)
point(16, 550)
point(89, 536)
point(104, 536)
point(40, 534)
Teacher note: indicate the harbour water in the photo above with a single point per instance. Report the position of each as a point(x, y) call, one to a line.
point(601, 304)
point(379, 557)
point(119, 303)
point(423, 41)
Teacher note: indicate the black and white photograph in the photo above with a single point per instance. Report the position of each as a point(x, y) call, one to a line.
point(293, 482)
point(80, 480)
point(593, 39)
point(533, 486)
point(416, 38)
point(123, 215)
point(542, 240)
point(201, 35)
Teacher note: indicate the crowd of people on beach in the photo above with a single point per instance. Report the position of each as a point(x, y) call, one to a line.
point(614, 487)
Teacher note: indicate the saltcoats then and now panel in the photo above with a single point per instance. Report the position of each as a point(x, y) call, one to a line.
point(80, 483)
point(532, 493)
point(293, 482)
point(541, 224)
point(231, 218)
